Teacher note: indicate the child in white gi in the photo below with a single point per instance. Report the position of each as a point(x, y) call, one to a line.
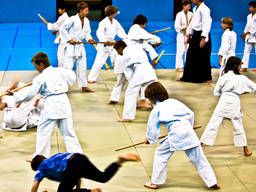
point(228, 42)
point(179, 120)
point(228, 88)
point(106, 32)
point(54, 27)
point(117, 60)
point(22, 116)
point(182, 21)
point(249, 36)
point(138, 72)
point(52, 83)
point(73, 31)
point(137, 35)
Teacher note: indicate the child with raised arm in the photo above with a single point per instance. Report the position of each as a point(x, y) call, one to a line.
point(249, 35)
point(179, 120)
point(228, 42)
point(52, 83)
point(229, 87)
point(54, 27)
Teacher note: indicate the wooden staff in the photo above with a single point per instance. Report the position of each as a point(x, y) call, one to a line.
point(143, 142)
point(159, 58)
point(106, 65)
point(109, 68)
point(86, 42)
point(42, 19)
point(160, 30)
point(17, 89)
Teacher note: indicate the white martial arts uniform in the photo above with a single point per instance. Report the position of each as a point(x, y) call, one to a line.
point(138, 35)
point(139, 73)
point(118, 61)
point(179, 120)
point(228, 88)
point(181, 22)
point(201, 21)
point(52, 84)
point(25, 116)
point(58, 40)
point(105, 32)
point(250, 40)
point(72, 30)
point(227, 48)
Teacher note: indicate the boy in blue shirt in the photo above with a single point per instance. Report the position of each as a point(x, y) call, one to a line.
point(69, 168)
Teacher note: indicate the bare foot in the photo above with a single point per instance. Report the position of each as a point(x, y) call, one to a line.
point(1, 136)
point(127, 157)
point(96, 190)
point(215, 187)
point(209, 81)
point(112, 102)
point(144, 105)
point(29, 160)
point(150, 185)
point(87, 89)
point(243, 70)
point(179, 70)
point(253, 69)
point(124, 120)
point(178, 79)
point(247, 152)
point(91, 82)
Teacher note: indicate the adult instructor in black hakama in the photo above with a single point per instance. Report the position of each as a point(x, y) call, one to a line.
point(198, 65)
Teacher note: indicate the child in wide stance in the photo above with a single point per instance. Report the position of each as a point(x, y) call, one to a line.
point(228, 88)
point(178, 119)
point(68, 169)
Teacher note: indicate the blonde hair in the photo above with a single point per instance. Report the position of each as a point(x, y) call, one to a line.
point(228, 21)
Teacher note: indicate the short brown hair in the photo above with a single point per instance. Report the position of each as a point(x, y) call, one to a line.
point(81, 5)
point(228, 21)
point(110, 10)
point(41, 57)
point(156, 92)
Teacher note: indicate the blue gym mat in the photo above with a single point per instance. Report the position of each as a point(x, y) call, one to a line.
point(20, 41)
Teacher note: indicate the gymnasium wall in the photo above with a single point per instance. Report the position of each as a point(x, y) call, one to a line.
point(20, 11)
point(154, 10)
point(162, 10)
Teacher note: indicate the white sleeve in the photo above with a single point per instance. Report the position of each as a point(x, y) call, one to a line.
point(33, 90)
point(217, 90)
point(120, 31)
point(153, 126)
point(150, 50)
point(207, 22)
point(69, 76)
point(178, 23)
point(225, 45)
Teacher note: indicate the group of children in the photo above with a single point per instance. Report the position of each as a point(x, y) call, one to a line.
point(132, 64)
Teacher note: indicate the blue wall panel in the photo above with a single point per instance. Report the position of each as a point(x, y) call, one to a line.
point(154, 10)
point(236, 9)
point(16, 11)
